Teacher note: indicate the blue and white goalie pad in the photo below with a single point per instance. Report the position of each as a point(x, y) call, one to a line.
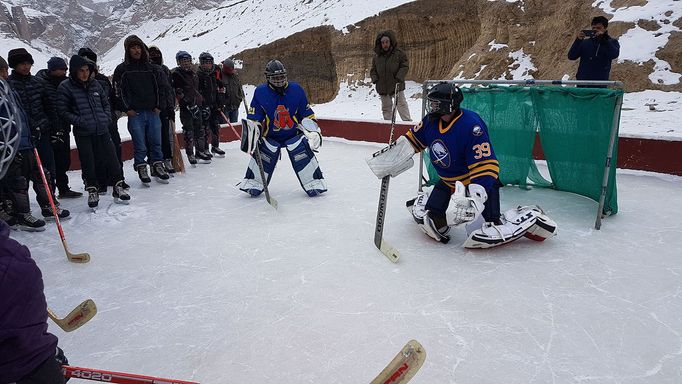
point(305, 165)
point(269, 153)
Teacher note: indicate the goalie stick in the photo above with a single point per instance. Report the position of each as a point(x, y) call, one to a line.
point(76, 318)
point(115, 377)
point(404, 365)
point(72, 257)
point(379, 241)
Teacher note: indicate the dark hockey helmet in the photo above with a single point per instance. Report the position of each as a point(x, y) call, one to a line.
point(183, 55)
point(276, 74)
point(205, 58)
point(443, 98)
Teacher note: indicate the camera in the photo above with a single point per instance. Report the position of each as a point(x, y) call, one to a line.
point(589, 33)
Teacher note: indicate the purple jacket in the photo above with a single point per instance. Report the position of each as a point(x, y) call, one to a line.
point(24, 340)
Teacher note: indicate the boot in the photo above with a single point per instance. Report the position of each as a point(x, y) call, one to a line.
point(160, 172)
point(120, 195)
point(143, 174)
point(218, 152)
point(203, 157)
point(93, 197)
point(192, 160)
point(27, 222)
point(67, 193)
point(61, 213)
point(168, 164)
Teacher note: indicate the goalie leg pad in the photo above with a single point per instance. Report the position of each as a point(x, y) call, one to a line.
point(305, 165)
point(436, 227)
point(544, 227)
point(269, 153)
point(515, 224)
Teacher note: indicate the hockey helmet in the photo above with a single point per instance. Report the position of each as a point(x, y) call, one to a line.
point(443, 98)
point(205, 58)
point(9, 127)
point(182, 55)
point(276, 74)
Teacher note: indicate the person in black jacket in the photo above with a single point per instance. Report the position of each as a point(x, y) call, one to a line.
point(186, 85)
point(140, 93)
point(59, 131)
point(103, 80)
point(36, 102)
point(167, 114)
point(83, 103)
point(208, 87)
point(596, 52)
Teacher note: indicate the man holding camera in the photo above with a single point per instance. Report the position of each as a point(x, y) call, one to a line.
point(595, 49)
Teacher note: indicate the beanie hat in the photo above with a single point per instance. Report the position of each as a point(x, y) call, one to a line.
point(88, 53)
point(56, 63)
point(17, 56)
point(228, 66)
point(3, 63)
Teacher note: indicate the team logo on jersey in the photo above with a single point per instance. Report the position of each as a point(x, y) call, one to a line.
point(440, 155)
point(283, 119)
point(477, 130)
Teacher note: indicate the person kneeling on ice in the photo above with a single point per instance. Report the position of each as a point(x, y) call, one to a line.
point(83, 103)
point(280, 116)
point(468, 190)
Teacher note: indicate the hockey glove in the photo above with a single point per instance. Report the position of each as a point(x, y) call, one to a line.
point(466, 209)
point(61, 359)
point(392, 160)
point(194, 110)
point(251, 131)
point(312, 132)
point(57, 137)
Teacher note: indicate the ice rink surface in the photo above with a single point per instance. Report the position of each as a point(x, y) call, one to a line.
point(197, 281)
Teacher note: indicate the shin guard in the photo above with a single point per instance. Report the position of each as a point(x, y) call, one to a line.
point(305, 165)
point(252, 183)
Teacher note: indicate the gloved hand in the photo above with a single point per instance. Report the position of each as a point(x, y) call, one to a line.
point(312, 132)
point(194, 110)
point(61, 359)
point(57, 137)
point(36, 134)
point(205, 113)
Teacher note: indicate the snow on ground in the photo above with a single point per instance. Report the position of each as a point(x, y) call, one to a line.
point(195, 280)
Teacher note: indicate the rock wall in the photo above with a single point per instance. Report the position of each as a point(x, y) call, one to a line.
point(449, 38)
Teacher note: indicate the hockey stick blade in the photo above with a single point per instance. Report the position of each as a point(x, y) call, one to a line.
point(83, 257)
point(389, 251)
point(79, 316)
point(115, 377)
point(404, 365)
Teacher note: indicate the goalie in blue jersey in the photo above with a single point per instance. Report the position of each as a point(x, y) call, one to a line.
point(467, 193)
point(280, 116)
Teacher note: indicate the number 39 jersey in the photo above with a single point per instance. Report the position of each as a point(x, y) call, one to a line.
point(459, 150)
point(280, 113)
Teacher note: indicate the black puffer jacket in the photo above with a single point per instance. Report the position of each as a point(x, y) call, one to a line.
point(388, 67)
point(138, 84)
point(36, 102)
point(51, 84)
point(186, 85)
point(208, 85)
point(84, 104)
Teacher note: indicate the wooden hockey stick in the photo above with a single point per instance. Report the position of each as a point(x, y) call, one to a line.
point(388, 251)
point(76, 318)
point(72, 257)
point(178, 161)
point(116, 377)
point(403, 366)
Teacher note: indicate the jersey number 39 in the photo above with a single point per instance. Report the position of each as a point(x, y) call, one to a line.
point(482, 150)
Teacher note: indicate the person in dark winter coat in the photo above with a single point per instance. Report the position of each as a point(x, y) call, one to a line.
point(140, 94)
point(84, 103)
point(209, 75)
point(30, 90)
point(28, 352)
point(59, 131)
point(186, 85)
point(167, 114)
point(233, 91)
point(596, 52)
point(102, 176)
point(389, 67)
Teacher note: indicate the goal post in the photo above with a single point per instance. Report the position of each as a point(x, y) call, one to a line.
point(577, 129)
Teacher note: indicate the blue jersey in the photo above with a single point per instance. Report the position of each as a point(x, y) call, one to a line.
point(280, 114)
point(459, 150)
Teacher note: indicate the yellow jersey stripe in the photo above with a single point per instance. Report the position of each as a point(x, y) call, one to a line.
point(492, 174)
point(490, 167)
point(474, 165)
point(415, 142)
point(447, 128)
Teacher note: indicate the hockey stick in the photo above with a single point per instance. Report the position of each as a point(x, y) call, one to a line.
point(379, 241)
point(115, 377)
point(73, 257)
point(403, 366)
point(76, 318)
point(178, 161)
point(230, 125)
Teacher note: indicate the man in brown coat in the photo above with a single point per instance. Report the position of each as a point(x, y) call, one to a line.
point(389, 68)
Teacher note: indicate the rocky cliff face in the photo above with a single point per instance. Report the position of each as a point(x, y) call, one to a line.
point(473, 39)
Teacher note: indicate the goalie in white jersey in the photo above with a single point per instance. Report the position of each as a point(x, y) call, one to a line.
point(467, 193)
